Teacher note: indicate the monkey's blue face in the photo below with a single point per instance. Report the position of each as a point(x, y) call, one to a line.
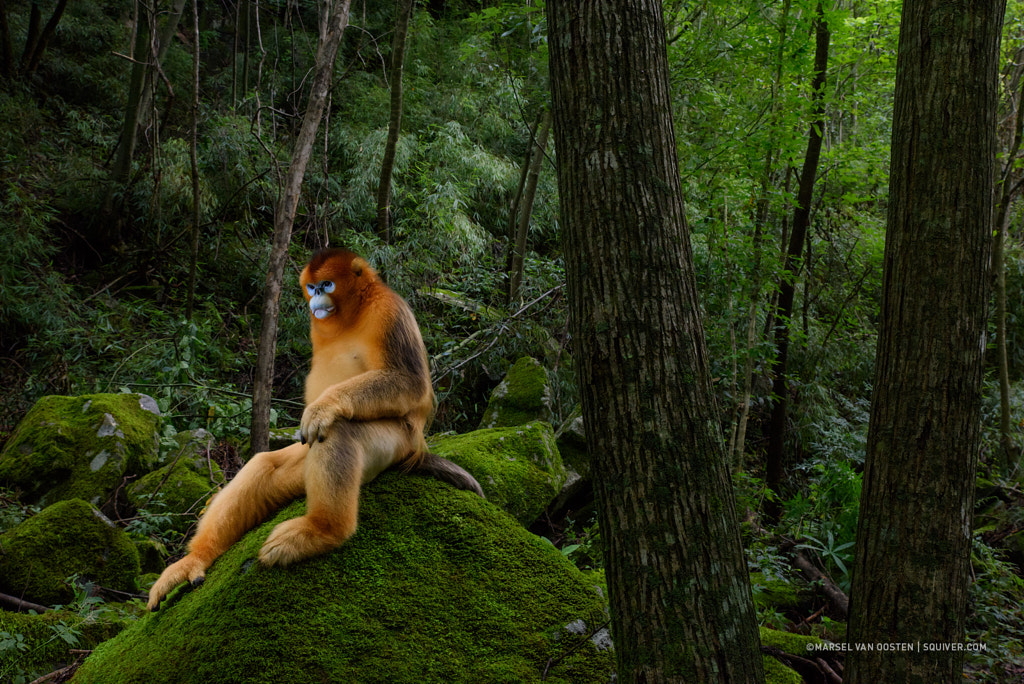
point(320, 303)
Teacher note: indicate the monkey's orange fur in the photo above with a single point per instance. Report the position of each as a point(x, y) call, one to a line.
point(368, 401)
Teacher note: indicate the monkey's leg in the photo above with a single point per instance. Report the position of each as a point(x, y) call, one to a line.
point(353, 453)
point(269, 480)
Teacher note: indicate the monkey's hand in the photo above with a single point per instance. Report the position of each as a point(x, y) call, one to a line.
point(189, 568)
point(319, 416)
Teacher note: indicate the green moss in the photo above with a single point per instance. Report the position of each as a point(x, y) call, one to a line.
point(174, 489)
point(67, 538)
point(519, 468)
point(80, 447)
point(777, 673)
point(48, 637)
point(523, 396)
point(773, 592)
point(436, 585)
point(794, 644)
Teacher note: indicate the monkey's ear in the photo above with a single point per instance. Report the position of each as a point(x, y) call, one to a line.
point(358, 266)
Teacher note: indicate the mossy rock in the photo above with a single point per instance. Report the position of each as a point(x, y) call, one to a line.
point(46, 640)
point(80, 447)
point(519, 468)
point(175, 490)
point(572, 444)
point(193, 449)
point(522, 397)
point(772, 592)
point(794, 644)
point(283, 437)
point(437, 585)
point(70, 537)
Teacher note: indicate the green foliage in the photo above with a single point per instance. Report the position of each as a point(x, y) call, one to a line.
point(996, 616)
point(824, 515)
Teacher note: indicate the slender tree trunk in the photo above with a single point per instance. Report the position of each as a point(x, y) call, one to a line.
point(395, 125)
point(32, 35)
point(38, 42)
point(147, 56)
point(332, 27)
point(1002, 219)
point(526, 208)
point(6, 50)
point(787, 288)
point(513, 213)
point(912, 568)
point(760, 225)
point(680, 596)
point(194, 158)
point(136, 84)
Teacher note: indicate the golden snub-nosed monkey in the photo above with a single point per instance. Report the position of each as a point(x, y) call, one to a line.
point(368, 401)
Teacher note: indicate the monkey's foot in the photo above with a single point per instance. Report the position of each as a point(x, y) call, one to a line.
point(297, 539)
point(190, 568)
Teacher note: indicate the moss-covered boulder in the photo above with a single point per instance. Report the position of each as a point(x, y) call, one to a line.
point(192, 448)
point(519, 468)
point(784, 649)
point(437, 585)
point(572, 444)
point(80, 447)
point(68, 538)
point(282, 437)
point(175, 491)
point(39, 644)
point(522, 397)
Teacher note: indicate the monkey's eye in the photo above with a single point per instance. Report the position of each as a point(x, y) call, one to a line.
point(310, 289)
point(328, 286)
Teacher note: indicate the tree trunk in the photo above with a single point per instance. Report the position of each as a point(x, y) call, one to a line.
point(332, 27)
point(194, 160)
point(760, 225)
point(910, 581)
point(6, 49)
point(395, 125)
point(1006, 190)
point(680, 596)
point(38, 42)
point(787, 288)
point(147, 57)
point(515, 278)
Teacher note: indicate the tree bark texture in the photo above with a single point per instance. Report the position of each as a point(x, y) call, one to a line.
point(680, 597)
point(793, 262)
point(912, 567)
point(332, 28)
point(387, 166)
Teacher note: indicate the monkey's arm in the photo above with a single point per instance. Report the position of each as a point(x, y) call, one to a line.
point(385, 393)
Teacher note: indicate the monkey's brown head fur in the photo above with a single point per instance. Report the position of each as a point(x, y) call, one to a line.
point(335, 283)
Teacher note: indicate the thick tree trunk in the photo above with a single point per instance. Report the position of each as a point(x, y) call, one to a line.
point(387, 166)
point(515, 276)
point(910, 581)
point(681, 600)
point(787, 288)
point(332, 27)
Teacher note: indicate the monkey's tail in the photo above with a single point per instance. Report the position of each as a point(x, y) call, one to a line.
point(440, 468)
